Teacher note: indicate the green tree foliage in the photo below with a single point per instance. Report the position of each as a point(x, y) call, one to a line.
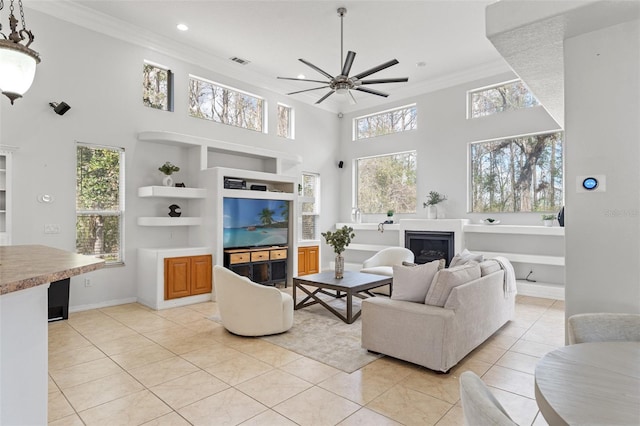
point(266, 216)
point(387, 183)
point(98, 202)
point(155, 87)
point(394, 121)
point(508, 96)
point(517, 175)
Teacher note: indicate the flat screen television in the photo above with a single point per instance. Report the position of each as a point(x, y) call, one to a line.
point(252, 222)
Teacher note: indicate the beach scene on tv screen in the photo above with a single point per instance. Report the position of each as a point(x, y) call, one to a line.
point(251, 223)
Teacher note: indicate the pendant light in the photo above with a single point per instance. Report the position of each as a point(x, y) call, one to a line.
point(17, 61)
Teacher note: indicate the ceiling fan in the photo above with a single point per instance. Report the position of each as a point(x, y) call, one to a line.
point(342, 83)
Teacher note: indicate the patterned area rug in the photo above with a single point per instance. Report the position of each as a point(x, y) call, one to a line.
point(320, 335)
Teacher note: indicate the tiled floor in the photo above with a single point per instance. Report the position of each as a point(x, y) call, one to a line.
point(129, 365)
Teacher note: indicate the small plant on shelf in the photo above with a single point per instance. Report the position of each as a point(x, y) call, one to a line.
point(168, 168)
point(548, 216)
point(434, 198)
point(390, 213)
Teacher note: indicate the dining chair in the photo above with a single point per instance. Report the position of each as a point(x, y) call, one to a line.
point(479, 405)
point(603, 327)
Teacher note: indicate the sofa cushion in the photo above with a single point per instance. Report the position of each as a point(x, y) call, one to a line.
point(489, 267)
point(465, 257)
point(411, 283)
point(446, 279)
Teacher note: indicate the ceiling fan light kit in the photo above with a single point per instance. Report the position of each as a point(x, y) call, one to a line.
point(342, 83)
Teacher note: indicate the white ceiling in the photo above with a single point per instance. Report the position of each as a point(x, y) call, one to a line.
point(447, 35)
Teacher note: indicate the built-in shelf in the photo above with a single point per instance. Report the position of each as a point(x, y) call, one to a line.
point(516, 229)
point(369, 226)
point(366, 247)
point(169, 221)
point(171, 192)
point(526, 258)
point(262, 195)
point(540, 289)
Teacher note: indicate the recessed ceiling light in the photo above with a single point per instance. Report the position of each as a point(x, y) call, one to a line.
point(182, 27)
point(302, 76)
point(421, 64)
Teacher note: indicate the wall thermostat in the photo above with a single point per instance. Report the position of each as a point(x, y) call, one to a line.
point(591, 183)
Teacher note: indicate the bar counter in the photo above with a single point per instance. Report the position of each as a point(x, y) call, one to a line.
point(25, 274)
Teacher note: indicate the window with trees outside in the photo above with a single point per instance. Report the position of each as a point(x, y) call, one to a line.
point(386, 122)
point(100, 202)
point(521, 174)
point(310, 206)
point(285, 121)
point(499, 98)
point(387, 182)
point(222, 104)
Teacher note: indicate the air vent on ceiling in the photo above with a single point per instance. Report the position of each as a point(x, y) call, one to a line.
point(239, 60)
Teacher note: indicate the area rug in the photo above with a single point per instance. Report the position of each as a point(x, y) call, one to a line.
point(320, 335)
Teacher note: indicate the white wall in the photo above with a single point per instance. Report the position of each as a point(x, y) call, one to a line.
point(602, 106)
point(101, 79)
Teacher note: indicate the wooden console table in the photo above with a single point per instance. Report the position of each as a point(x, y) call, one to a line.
point(263, 265)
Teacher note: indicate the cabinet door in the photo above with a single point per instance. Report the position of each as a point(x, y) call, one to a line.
point(201, 274)
point(303, 253)
point(313, 260)
point(177, 277)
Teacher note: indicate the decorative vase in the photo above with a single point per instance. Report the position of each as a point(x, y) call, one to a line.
point(548, 222)
point(440, 211)
point(339, 266)
point(432, 211)
point(167, 180)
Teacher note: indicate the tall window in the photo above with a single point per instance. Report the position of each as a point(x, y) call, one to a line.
point(157, 86)
point(386, 122)
point(310, 206)
point(213, 101)
point(100, 202)
point(522, 174)
point(502, 97)
point(387, 182)
point(285, 121)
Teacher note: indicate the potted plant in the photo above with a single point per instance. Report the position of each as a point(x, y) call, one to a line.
point(433, 199)
point(547, 219)
point(339, 240)
point(168, 169)
point(390, 213)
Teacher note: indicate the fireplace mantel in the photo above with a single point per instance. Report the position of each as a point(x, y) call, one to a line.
point(443, 225)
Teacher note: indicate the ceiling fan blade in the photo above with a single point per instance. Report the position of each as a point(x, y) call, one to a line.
point(348, 62)
point(376, 69)
point(307, 90)
point(386, 80)
point(325, 96)
point(303, 79)
point(373, 92)
point(326, 74)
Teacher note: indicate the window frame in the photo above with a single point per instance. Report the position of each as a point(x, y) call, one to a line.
point(316, 202)
point(523, 135)
point(356, 183)
point(170, 85)
point(493, 86)
point(354, 123)
point(264, 115)
point(290, 124)
point(121, 202)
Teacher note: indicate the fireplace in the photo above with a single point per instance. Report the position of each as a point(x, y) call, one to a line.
point(430, 245)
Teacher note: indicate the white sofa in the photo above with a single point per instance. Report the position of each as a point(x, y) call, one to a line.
point(439, 337)
point(250, 309)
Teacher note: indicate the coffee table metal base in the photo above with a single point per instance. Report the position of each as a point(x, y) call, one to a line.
point(353, 284)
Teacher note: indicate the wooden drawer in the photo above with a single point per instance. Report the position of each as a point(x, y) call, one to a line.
point(259, 255)
point(239, 258)
point(279, 254)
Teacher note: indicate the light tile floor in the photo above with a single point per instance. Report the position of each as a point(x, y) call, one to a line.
point(129, 365)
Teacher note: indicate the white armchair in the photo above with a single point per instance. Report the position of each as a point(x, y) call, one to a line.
point(250, 309)
point(382, 263)
point(603, 327)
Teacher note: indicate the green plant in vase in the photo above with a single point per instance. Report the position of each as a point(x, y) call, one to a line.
point(339, 240)
point(548, 219)
point(168, 169)
point(433, 199)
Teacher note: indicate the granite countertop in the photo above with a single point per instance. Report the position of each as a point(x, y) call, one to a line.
point(23, 267)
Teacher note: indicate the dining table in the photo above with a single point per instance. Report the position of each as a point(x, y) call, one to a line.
point(595, 383)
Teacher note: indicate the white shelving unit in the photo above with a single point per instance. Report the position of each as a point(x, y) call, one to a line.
point(170, 192)
point(5, 195)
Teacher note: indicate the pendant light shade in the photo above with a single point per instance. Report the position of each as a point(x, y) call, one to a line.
point(17, 62)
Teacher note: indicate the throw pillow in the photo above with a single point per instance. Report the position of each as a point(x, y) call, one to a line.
point(465, 257)
point(411, 283)
point(447, 279)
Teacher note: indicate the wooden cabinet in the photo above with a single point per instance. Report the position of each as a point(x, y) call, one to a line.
point(262, 265)
point(187, 276)
point(308, 260)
